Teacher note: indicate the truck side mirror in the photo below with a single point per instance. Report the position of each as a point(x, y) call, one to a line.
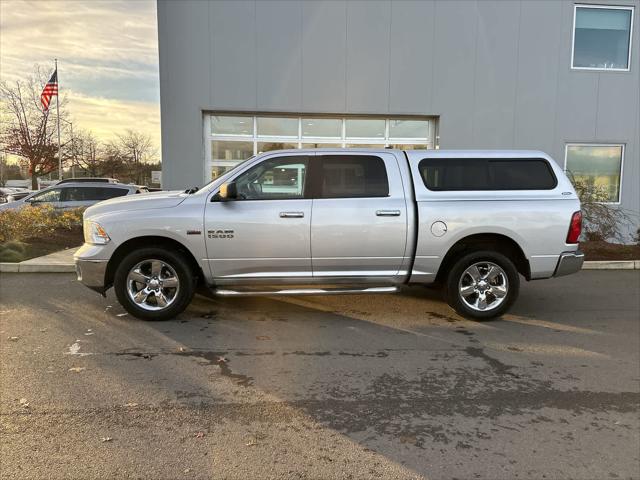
point(228, 191)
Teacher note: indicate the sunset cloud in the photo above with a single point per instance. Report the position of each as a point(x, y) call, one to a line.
point(107, 54)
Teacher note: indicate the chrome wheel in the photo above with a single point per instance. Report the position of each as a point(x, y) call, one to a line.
point(483, 286)
point(153, 284)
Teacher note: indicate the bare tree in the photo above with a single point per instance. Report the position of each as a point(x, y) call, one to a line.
point(135, 148)
point(28, 131)
point(112, 162)
point(602, 221)
point(87, 153)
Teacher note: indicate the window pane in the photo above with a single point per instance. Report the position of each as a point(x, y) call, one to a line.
point(232, 125)
point(322, 145)
point(278, 127)
point(49, 196)
point(456, 174)
point(322, 127)
point(274, 179)
point(218, 171)
point(521, 174)
point(346, 176)
point(75, 194)
point(356, 128)
point(598, 167)
point(409, 146)
point(230, 150)
point(364, 145)
point(408, 129)
point(107, 193)
point(268, 146)
point(602, 38)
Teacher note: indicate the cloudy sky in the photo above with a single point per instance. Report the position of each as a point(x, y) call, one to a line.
point(107, 58)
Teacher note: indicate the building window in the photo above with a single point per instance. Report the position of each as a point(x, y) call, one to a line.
point(230, 139)
point(598, 168)
point(602, 37)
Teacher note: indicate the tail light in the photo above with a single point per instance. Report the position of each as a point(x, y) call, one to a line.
point(575, 228)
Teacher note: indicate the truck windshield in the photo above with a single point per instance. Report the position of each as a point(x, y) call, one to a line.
point(227, 173)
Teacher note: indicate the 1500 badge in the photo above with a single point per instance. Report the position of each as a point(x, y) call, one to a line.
point(220, 233)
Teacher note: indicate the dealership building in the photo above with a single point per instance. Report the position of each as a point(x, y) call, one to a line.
point(242, 77)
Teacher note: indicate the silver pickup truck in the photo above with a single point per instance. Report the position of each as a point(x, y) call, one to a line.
point(331, 221)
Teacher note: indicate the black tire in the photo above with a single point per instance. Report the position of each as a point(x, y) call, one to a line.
point(177, 262)
point(452, 285)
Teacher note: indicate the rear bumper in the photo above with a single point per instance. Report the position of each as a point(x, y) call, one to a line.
point(569, 262)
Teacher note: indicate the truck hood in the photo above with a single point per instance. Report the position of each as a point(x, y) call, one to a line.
point(140, 201)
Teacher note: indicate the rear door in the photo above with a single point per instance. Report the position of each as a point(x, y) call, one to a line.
point(359, 216)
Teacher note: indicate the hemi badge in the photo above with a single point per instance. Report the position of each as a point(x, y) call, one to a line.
point(193, 232)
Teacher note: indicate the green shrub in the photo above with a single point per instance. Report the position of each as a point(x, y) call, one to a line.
point(10, 256)
point(15, 246)
point(12, 251)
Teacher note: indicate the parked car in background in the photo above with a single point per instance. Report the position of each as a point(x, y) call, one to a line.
point(88, 180)
point(73, 195)
point(10, 194)
point(359, 221)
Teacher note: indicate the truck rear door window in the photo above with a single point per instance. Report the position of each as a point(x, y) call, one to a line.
point(455, 174)
point(349, 176)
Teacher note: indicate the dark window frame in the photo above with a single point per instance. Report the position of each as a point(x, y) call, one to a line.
point(490, 174)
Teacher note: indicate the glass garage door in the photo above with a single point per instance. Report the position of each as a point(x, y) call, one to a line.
point(229, 139)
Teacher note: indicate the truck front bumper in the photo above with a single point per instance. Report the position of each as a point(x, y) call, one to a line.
point(91, 270)
point(569, 262)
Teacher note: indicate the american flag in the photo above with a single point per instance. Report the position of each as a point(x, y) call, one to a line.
point(50, 90)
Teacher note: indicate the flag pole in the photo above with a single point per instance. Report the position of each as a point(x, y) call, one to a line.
point(58, 118)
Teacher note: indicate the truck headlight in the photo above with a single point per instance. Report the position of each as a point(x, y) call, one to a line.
point(94, 233)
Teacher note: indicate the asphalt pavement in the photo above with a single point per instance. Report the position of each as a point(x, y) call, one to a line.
point(379, 386)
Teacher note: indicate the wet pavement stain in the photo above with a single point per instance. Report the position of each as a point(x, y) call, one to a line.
point(313, 354)
point(499, 367)
point(135, 354)
point(217, 358)
point(357, 354)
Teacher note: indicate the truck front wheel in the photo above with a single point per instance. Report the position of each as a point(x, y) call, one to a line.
point(482, 285)
point(154, 283)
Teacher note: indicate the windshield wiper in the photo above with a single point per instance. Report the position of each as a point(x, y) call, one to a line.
point(192, 190)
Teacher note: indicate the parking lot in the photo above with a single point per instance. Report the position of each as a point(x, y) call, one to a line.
point(322, 387)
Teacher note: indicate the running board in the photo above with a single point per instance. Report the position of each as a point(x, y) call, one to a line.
point(304, 291)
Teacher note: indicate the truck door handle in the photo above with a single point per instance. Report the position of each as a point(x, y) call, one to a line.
point(291, 214)
point(388, 213)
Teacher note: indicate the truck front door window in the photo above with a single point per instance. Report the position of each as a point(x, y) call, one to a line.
point(279, 178)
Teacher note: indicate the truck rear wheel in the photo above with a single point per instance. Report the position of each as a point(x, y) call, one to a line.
point(482, 285)
point(154, 283)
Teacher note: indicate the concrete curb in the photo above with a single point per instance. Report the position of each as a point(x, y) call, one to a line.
point(612, 265)
point(70, 267)
point(37, 267)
